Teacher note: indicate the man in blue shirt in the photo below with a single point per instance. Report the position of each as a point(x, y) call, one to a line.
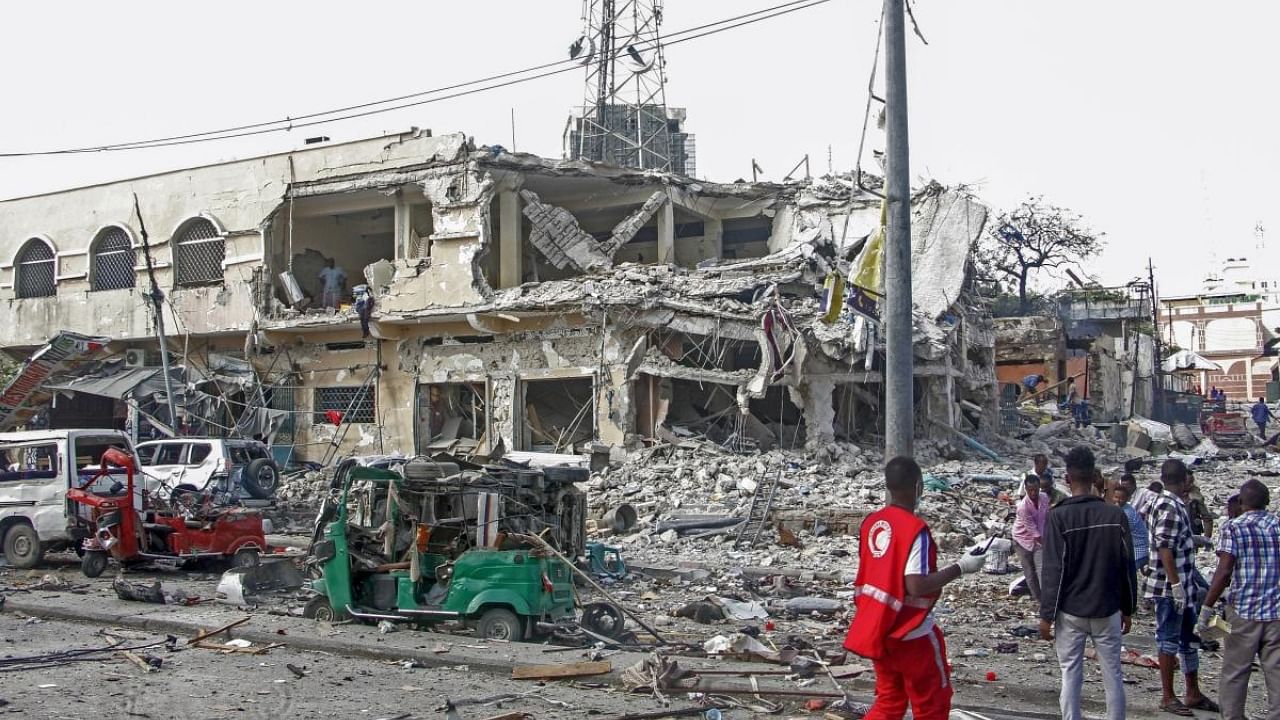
point(1261, 414)
point(1031, 382)
point(1249, 561)
point(1137, 525)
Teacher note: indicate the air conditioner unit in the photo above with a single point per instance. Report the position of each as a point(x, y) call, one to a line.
point(135, 358)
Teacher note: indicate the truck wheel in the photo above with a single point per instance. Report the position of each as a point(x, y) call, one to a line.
point(260, 479)
point(93, 563)
point(318, 608)
point(500, 624)
point(22, 546)
point(245, 558)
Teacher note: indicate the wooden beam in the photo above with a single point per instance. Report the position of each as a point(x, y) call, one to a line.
point(567, 670)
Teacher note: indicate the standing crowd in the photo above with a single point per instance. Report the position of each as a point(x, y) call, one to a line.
point(1090, 562)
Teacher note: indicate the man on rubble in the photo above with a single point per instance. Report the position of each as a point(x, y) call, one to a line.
point(1088, 588)
point(897, 584)
point(1248, 563)
point(1177, 589)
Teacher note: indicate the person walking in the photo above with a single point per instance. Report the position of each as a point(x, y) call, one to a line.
point(1261, 414)
point(1089, 591)
point(897, 585)
point(1028, 531)
point(1177, 590)
point(1248, 562)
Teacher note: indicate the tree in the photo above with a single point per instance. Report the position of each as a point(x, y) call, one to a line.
point(1034, 236)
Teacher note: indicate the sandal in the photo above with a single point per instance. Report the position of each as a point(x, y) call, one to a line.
point(1175, 707)
point(1205, 704)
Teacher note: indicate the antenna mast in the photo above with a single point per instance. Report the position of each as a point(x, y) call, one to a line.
point(624, 119)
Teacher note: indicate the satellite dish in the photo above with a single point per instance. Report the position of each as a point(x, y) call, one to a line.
point(636, 62)
point(584, 48)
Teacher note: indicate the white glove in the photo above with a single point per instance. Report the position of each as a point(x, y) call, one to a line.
point(1207, 614)
point(1179, 595)
point(972, 561)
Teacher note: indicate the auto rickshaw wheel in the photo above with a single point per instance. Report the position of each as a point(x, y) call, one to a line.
point(93, 563)
point(245, 558)
point(603, 619)
point(500, 624)
point(318, 608)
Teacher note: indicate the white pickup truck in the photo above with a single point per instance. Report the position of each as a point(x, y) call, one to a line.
point(36, 469)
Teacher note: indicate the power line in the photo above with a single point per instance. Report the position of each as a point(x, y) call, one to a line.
point(371, 108)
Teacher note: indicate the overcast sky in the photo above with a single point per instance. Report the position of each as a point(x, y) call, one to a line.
point(1155, 120)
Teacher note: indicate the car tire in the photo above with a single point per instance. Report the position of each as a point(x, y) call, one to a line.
point(500, 624)
point(22, 548)
point(93, 563)
point(183, 489)
point(318, 608)
point(260, 479)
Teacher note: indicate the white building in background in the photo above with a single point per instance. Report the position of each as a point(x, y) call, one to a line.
point(1230, 321)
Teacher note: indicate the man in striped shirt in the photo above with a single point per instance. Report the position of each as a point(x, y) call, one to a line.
point(1249, 561)
point(1177, 590)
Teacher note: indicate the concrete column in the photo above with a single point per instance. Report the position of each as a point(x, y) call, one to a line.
point(613, 407)
point(403, 250)
point(819, 410)
point(510, 254)
point(713, 237)
point(666, 234)
point(1248, 378)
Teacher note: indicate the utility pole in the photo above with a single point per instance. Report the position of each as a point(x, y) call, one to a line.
point(899, 419)
point(156, 296)
point(1157, 381)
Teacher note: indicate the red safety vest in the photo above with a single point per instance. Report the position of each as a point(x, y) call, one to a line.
point(883, 610)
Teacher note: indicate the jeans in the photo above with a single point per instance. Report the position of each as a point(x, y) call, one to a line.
point(1174, 634)
point(1249, 639)
point(1139, 563)
point(1030, 562)
point(1070, 633)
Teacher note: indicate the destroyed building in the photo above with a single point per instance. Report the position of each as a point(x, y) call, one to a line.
point(551, 305)
point(1100, 338)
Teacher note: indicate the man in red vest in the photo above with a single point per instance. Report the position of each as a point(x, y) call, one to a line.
point(898, 583)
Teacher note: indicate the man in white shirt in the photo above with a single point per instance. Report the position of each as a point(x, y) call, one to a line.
point(333, 282)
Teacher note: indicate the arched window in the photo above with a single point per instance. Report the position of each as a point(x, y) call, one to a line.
point(34, 270)
point(198, 252)
point(112, 260)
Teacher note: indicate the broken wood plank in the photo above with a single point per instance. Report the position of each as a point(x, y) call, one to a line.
point(142, 664)
point(232, 649)
point(566, 670)
point(205, 634)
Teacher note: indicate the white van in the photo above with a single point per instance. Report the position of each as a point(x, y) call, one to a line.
point(36, 469)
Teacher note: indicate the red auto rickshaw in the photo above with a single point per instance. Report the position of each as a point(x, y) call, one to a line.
point(126, 526)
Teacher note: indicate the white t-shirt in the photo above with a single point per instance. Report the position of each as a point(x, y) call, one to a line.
point(332, 278)
point(918, 564)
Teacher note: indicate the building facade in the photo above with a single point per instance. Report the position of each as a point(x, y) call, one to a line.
point(544, 305)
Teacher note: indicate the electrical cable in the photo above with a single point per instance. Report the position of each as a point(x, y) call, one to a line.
point(290, 123)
